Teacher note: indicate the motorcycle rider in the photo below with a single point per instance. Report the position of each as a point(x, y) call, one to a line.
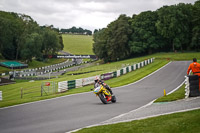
point(98, 82)
point(195, 67)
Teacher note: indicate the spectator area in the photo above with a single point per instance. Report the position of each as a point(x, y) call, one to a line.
point(13, 65)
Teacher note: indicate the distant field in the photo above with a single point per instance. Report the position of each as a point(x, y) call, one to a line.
point(78, 44)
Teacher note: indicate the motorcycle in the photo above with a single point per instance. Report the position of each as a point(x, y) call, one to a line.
point(104, 95)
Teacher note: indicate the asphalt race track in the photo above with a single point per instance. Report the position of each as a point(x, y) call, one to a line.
point(76, 111)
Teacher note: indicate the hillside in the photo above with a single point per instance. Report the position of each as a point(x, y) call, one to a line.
point(78, 44)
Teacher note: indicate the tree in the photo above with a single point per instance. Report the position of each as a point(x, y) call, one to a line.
point(75, 30)
point(21, 37)
point(51, 42)
point(32, 47)
point(174, 24)
point(8, 34)
point(95, 31)
point(99, 45)
point(26, 28)
point(145, 38)
point(118, 33)
point(195, 43)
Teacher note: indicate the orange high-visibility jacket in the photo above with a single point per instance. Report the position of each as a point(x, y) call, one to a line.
point(195, 67)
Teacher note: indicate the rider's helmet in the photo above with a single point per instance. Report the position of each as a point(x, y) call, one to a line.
point(96, 79)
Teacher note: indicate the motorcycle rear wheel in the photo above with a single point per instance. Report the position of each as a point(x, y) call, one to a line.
point(113, 99)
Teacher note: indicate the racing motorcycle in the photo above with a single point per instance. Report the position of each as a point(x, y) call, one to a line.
point(104, 95)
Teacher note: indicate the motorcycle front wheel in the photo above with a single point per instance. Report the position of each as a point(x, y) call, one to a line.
point(103, 98)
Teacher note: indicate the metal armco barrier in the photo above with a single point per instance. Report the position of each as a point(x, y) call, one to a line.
point(65, 85)
point(192, 86)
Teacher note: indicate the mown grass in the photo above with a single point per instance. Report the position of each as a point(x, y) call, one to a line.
point(178, 56)
point(48, 62)
point(186, 122)
point(178, 94)
point(3, 69)
point(78, 44)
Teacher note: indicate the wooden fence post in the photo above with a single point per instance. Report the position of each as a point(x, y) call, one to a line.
point(21, 92)
point(41, 90)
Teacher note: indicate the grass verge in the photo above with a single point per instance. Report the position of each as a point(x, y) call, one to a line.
point(178, 94)
point(185, 122)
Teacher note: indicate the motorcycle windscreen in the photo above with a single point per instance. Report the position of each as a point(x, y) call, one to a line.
point(96, 90)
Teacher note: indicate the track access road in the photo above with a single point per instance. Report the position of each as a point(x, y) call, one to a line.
point(67, 113)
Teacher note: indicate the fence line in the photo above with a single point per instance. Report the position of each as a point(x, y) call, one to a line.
point(47, 87)
point(65, 85)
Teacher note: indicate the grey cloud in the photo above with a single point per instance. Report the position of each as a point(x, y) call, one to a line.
point(84, 13)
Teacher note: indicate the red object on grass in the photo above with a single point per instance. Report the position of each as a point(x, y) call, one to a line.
point(47, 84)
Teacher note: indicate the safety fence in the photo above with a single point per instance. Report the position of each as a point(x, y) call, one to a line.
point(192, 86)
point(34, 78)
point(71, 84)
point(46, 88)
point(44, 70)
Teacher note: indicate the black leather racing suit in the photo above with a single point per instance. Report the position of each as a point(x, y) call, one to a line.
point(100, 82)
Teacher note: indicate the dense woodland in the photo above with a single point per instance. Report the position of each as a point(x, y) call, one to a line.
point(75, 30)
point(170, 28)
point(21, 38)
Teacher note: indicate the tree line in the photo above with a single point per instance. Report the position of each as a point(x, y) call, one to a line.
point(21, 38)
point(75, 30)
point(170, 28)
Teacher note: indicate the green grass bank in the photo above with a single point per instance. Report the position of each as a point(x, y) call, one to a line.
point(186, 122)
point(78, 44)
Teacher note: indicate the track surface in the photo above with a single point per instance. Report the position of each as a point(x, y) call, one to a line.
point(76, 111)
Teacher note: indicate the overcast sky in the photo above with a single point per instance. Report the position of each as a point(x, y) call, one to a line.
point(88, 14)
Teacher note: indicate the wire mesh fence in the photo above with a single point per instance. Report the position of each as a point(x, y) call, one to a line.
point(45, 89)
